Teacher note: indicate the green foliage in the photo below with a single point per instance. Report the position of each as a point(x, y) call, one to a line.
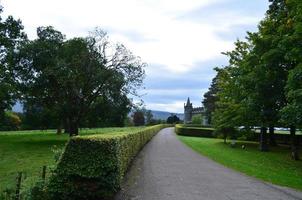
point(11, 121)
point(92, 167)
point(257, 87)
point(210, 99)
point(37, 192)
point(138, 118)
point(149, 117)
point(292, 112)
point(38, 117)
point(11, 37)
point(78, 74)
point(194, 131)
point(275, 166)
point(108, 112)
point(173, 119)
point(28, 151)
point(197, 119)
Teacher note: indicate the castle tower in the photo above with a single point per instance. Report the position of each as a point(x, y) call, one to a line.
point(188, 109)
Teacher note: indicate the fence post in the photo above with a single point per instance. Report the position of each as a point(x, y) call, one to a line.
point(44, 173)
point(18, 185)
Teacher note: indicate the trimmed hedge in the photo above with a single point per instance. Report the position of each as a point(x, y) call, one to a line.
point(92, 167)
point(194, 131)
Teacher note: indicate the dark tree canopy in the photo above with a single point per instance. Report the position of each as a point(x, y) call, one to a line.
point(139, 118)
point(69, 76)
point(261, 85)
point(11, 37)
point(210, 98)
point(173, 119)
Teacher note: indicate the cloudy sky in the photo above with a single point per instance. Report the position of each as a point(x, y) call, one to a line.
point(181, 40)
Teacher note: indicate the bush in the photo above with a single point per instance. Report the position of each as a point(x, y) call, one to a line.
point(197, 119)
point(92, 167)
point(194, 131)
point(11, 122)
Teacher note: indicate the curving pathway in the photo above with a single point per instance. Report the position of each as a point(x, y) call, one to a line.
point(166, 169)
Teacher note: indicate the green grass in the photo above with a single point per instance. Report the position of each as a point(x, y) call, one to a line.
point(275, 166)
point(28, 151)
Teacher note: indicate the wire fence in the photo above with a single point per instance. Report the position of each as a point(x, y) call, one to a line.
point(21, 189)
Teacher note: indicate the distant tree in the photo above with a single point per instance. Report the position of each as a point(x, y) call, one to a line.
point(108, 112)
point(138, 118)
point(173, 119)
point(70, 75)
point(128, 122)
point(11, 37)
point(149, 117)
point(36, 116)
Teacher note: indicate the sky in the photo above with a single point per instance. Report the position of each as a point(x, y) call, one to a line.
point(180, 40)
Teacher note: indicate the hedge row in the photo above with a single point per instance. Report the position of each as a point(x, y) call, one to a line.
point(194, 131)
point(92, 167)
point(203, 131)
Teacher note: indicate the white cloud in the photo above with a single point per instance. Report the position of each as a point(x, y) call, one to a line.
point(174, 44)
point(176, 106)
point(177, 44)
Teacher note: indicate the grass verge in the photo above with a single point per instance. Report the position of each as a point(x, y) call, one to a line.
point(275, 166)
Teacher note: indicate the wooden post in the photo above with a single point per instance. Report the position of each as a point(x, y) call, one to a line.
point(44, 173)
point(18, 186)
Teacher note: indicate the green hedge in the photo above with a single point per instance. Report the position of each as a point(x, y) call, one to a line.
point(92, 167)
point(185, 130)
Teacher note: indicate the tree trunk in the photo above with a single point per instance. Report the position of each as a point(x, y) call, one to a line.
point(66, 126)
point(263, 139)
point(272, 139)
point(59, 130)
point(294, 143)
point(73, 128)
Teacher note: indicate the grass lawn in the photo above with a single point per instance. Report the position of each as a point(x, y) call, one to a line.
point(275, 166)
point(28, 151)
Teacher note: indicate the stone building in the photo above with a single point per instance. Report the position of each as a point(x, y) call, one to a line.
point(190, 111)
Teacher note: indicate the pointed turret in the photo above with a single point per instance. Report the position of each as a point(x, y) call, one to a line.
point(188, 101)
point(188, 108)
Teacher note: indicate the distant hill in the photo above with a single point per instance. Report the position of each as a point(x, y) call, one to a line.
point(164, 115)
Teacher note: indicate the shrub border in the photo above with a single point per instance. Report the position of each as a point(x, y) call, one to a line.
point(93, 167)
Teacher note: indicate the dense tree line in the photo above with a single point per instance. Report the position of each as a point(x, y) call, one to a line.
point(66, 83)
point(261, 86)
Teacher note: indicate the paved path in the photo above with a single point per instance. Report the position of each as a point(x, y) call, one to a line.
point(168, 170)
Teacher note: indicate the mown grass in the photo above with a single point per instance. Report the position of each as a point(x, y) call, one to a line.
point(28, 151)
point(275, 166)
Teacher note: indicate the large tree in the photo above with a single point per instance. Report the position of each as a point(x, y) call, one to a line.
point(258, 77)
point(11, 37)
point(70, 75)
point(234, 105)
point(291, 113)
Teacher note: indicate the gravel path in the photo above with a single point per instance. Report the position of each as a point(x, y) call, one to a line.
point(166, 169)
